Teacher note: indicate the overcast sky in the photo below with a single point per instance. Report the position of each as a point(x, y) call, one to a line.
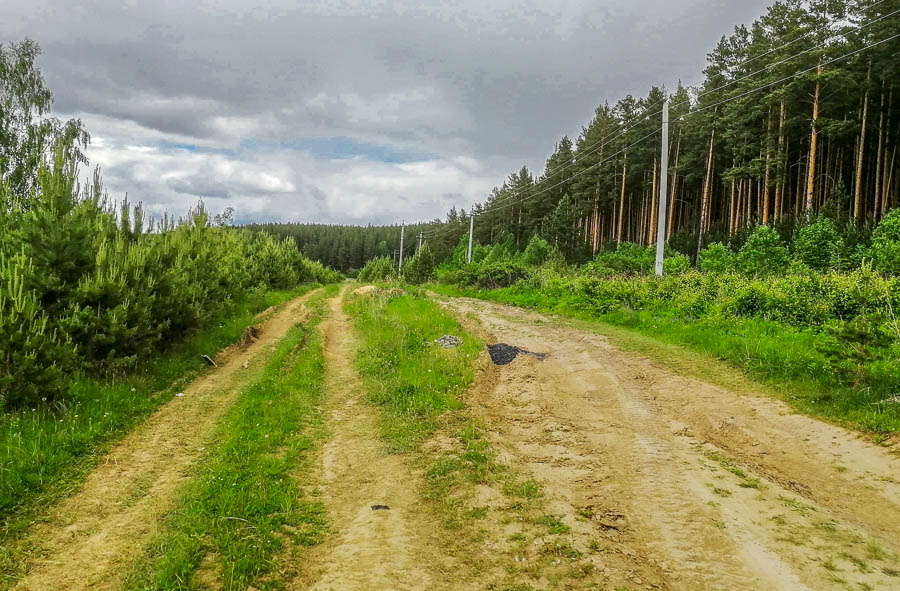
point(347, 111)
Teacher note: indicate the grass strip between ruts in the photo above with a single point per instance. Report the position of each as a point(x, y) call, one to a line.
point(245, 502)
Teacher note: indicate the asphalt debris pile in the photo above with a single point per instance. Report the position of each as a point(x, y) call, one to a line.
point(503, 354)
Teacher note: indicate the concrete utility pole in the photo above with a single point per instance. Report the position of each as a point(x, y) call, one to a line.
point(471, 230)
point(663, 190)
point(400, 264)
point(420, 242)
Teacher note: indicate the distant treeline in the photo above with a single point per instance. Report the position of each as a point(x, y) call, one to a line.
point(347, 248)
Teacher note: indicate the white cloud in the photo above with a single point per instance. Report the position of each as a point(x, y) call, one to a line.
point(433, 102)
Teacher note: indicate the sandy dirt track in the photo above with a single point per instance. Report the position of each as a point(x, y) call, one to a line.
point(367, 549)
point(694, 486)
point(91, 538)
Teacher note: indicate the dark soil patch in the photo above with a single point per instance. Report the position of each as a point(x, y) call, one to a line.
point(503, 354)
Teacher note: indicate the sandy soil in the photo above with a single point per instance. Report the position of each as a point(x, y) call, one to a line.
point(90, 539)
point(688, 485)
point(367, 549)
point(660, 481)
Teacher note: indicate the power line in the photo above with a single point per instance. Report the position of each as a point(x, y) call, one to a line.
point(796, 74)
point(439, 232)
point(625, 127)
point(545, 190)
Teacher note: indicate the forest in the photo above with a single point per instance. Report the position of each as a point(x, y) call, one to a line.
point(796, 116)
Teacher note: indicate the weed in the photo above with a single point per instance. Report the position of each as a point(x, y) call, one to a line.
point(410, 378)
point(796, 506)
point(523, 489)
point(73, 438)
point(722, 492)
point(554, 524)
point(243, 502)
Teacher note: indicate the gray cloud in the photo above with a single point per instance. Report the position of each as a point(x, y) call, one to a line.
point(466, 90)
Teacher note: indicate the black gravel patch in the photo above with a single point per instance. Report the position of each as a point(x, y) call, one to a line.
point(503, 354)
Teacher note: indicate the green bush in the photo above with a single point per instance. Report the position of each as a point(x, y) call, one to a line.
point(763, 253)
point(717, 258)
point(86, 290)
point(30, 353)
point(419, 268)
point(628, 259)
point(377, 269)
point(537, 252)
point(885, 249)
point(818, 245)
point(676, 263)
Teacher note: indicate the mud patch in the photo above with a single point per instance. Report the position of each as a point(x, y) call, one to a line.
point(503, 354)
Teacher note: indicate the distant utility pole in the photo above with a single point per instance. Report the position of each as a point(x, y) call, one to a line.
point(400, 264)
point(471, 230)
point(663, 190)
point(420, 242)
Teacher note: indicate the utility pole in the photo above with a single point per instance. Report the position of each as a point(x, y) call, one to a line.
point(663, 190)
point(471, 230)
point(420, 242)
point(400, 264)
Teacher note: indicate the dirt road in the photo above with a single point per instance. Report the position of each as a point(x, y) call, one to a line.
point(689, 485)
point(91, 538)
point(649, 480)
point(386, 548)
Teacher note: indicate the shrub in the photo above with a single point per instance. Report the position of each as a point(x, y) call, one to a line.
point(717, 258)
point(818, 245)
point(420, 267)
point(537, 252)
point(30, 353)
point(763, 253)
point(885, 249)
point(628, 258)
point(85, 289)
point(377, 269)
point(676, 264)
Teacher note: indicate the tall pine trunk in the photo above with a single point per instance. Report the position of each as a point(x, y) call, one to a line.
point(654, 203)
point(782, 162)
point(674, 199)
point(813, 143)
point(767, 177)
point(622, 201)
point(879, 155)
point(707, 191)
point(888, 168)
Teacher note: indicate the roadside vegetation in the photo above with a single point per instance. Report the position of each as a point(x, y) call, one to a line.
point(422, 390)
point(411, 378)
point(245, 503)
point(46, 451)
point(104, 311)
point(822, 328)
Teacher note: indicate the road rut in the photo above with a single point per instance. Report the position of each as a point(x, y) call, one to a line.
point(695, 486)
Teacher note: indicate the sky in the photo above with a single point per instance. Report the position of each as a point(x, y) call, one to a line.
point(348, 111)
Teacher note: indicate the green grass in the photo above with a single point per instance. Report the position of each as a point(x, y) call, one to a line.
point(244, 503)
point(412, 379)
point(45, 452)
point(783, 359)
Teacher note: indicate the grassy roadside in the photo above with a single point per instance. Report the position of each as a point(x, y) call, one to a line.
point(481, 501)
point(782, 359)
point(244, 504)
point(45, 452)
point(412, 379)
